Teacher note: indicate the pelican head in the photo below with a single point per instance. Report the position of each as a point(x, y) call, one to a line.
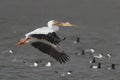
point(58, 23)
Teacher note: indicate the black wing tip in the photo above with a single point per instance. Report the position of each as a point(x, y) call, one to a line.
point(63, 59)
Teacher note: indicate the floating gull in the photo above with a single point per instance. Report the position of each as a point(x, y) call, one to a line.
point(69, 72)
point(90, 50)
point(99, 56)
point(83, 51)
point(109, 55)
point(35, 64)
point(11, 51)
point(48, 64)
point(30, 64)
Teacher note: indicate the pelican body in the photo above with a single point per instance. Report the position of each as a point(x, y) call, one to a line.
point(46, 40)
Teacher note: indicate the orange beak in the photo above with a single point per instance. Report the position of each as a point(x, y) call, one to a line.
point(67, 24)
point(63, 24)
point(22, 41)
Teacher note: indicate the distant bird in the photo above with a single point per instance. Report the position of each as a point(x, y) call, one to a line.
point(93, 60)
point(87, 51)
point(99, 56)
point(96, 66)
point(11, 51)
point(82, 52)
point(48, 64)
point(35, 64)
point(112, 67)
point(92, 50)
point(46, 40)
point(109, 55)
point(77, 40)
point(69, 72)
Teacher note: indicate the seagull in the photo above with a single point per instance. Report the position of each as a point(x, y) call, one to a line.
point(46, 40)
point(99, 56)
point(48, 64)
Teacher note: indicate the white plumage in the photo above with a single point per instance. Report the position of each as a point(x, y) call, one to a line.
point(45, 30)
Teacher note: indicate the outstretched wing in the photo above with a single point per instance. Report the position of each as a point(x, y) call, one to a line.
point(51, 37)
point(53, 50)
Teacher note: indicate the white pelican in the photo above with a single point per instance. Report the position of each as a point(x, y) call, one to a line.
point(46, 40)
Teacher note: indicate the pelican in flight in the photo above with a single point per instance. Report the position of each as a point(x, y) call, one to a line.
point(46, 40)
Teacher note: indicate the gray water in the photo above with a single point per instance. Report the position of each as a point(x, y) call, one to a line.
point(98, 26)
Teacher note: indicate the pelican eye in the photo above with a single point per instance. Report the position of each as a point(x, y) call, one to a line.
point(55, 21)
